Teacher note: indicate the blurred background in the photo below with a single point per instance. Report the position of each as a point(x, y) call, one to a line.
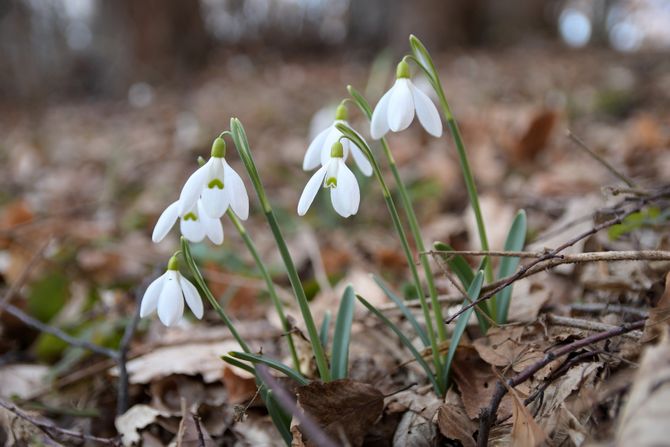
point(106, 105)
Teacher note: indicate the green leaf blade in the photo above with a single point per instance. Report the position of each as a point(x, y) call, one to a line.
point(342, 335)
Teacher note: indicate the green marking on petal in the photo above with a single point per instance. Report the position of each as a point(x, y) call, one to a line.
point(403, 70)
point(191, 216)
point(215, 183)
point(331, 182)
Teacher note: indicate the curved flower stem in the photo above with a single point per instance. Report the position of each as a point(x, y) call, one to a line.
point(197, 276)
point(351, 135)
point(423, 59)
point(242, 145)
point(362, 103)
point(270, 286)
point(418, 239)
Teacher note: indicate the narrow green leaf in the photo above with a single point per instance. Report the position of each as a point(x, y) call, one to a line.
point(361, 102)
point(339, 364)
point(404, 309)
point(280, 418)
point(279, 366)
point(233, 361)
point(462, 322)
point(516, 238)
point(405, 341)
point(456, 263)
point(325, 326)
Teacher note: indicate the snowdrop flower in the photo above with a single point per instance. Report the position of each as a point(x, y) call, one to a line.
point(336, 176)
point(167, 294)
point(318, 151)
point(195, 224)
point(395, 111)
point(217, 185)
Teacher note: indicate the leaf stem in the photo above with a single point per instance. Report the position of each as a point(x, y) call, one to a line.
point(363, 146)
point(270, 286)
point(423, 59)
point(242, 145)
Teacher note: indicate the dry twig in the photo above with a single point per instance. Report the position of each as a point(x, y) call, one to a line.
point(488, 415)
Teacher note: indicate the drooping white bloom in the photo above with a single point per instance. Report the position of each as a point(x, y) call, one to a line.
point(217, 185)
point(318, 152)
point(395, 110)
point(336, 176)
point(195, 224)
point(167, 294)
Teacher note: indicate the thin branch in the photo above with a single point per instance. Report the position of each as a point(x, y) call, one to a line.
point(488, 415)
point(58, 333)
point(122, 355)
point(595, 256)
point(597, 308)
point(588, 325)
point(580, 143)
point(50, 429)
point(524, 270)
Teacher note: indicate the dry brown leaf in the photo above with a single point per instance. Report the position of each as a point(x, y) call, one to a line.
point(417, 425)
point(191, 432)
point(133, 420)
point(644, 421)
point(343, 408)
point(525, 431)
point(659, 315)
point(476, 382)
point(23, 380)
point(240, 384)
point(535, 138)
point(454, 423)
point(189, 359)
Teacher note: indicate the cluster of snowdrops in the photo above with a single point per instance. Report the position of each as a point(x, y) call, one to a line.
point(215, 190)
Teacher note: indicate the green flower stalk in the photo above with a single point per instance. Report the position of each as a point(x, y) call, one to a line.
point(270, 287)
point(364, 106)
point(422, 58)
point(242, 145)
point(349, 133)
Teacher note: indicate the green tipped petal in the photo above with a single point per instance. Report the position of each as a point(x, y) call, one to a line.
point(402, 71)
point(219, 148)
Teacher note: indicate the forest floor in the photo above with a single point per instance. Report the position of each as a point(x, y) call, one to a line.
point(83, 182)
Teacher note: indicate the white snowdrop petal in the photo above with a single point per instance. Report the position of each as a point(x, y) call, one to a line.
point(339, 201)
point(193, 187)
point(193, 230)
point(150, 298)
point(361, 160)
point(171, 301)
point(331, 139)
point(348, 186)
point(214, 202)
point(311, 188)
point(401, 106)
point(237, 192)
point(379, 123)
point(212, 226)
point(165, 222)
point(192, 297)
point(313, 154)
point(427, 112)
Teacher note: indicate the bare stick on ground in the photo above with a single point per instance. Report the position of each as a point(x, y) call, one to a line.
point(53, 431)
point(487, 417)
point(554, 254)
